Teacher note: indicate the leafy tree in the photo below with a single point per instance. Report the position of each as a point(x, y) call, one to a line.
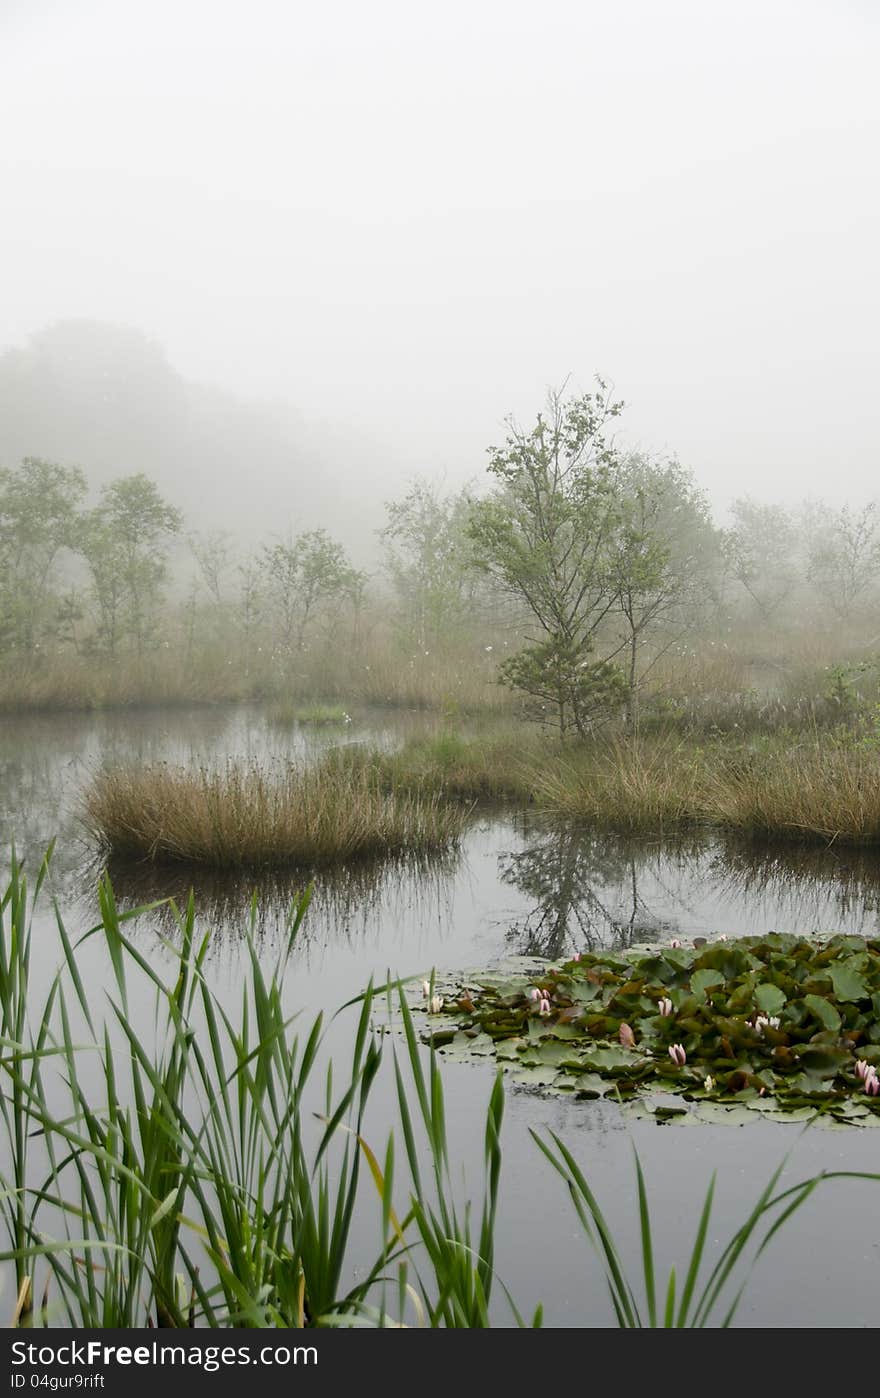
point(125, 540)
point(544, 536)
point(844, 557)
point(304, 579)
point(429, 560)
point(760, 549)
point(662, 557)
point(39, 505)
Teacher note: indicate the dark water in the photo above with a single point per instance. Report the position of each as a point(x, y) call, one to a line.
point(516, 886)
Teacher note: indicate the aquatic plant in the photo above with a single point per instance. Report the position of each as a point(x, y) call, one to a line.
point(776, 1024)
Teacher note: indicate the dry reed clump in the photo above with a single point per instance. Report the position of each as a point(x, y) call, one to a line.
point(816, 792)
point(244, 816)
point(626, 785)
point(812, 792)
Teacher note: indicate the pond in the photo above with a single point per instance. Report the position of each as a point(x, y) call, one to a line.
point(516, 886)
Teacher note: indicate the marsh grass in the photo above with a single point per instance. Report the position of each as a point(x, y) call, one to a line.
point(812, 790)
point(498, 766)
point(244, 816)
point(815, 791)
point(815, 787)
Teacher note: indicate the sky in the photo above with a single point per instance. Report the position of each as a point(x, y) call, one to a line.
point(405, 220)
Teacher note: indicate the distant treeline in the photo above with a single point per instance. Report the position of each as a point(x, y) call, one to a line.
point(579, 569)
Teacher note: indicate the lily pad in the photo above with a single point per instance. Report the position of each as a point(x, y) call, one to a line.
point(825, 995)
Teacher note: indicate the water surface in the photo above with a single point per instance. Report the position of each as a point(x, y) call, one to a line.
point(517, 885)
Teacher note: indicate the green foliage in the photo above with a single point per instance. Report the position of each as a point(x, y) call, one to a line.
point(561, 682)
point(124, 542)
point(429, 561)
point(543, 537)
point(39, 503)
point(775, 1024)
point(844, 557)
point(760, 552)
point(306, 580)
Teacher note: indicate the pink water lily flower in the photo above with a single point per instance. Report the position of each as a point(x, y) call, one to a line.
point(536, 994)
point(678, 1055)
point(863, 1068)
point(872, 1084)
point(675, 942)
point(665, 1006)
point(544, 1007)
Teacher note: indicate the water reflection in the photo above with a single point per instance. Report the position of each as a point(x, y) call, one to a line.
point(343, 903)
point(584, 887)
point(589, 889)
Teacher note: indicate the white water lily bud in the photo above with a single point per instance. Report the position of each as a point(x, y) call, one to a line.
point(666, 1006)
point(435, 1004)
point(709, 1084)
point(678, 1055)
point(426, 989)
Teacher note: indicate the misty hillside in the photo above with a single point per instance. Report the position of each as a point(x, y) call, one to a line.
point(105, 397)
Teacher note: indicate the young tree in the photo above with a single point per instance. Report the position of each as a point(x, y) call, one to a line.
point(39, 517)
point(544, 536)
point(306, 578)
point(428, 559)
point(844, 557)
point(760, 549)
point(125, 541)
point(663, 556)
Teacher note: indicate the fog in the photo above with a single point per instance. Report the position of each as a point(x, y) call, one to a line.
point(369, 232)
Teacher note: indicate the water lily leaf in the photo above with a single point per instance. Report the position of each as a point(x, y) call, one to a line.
point(769, 998)
point(811, 1085)
point(736, 1115)
point(703, 979)
point(589, 1085)
point(608, 1059)
point(823, 1060)
point(664, 1111)
point(564, 1031)
point(850, 1108)
point(848, 982)
point(823, 1010)
point(536, 1077)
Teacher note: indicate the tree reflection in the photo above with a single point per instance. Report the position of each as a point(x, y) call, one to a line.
point(590, 889)
point(585, 887)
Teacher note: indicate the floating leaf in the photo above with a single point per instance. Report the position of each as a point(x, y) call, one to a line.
point(823, 1010)
point(769, 998)
point(703, 980)
point(849, 983)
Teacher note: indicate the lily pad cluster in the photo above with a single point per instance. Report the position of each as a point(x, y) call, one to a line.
point(776, 1024)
